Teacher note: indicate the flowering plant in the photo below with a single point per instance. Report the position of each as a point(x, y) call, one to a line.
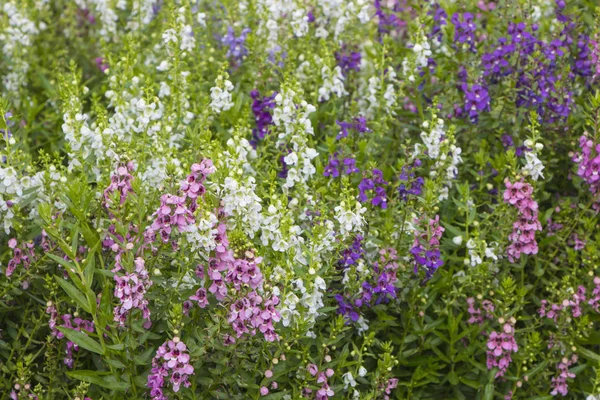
point(288, 199)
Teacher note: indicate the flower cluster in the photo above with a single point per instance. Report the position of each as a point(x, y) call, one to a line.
point(178, 211)
point(519, 195)
point(465, 30)
point(425, 248)
point(171, 361)
point(476, 315)
point(500, 346)
point(376, 186)
point(23, 255)
point(588, 166)
point(130, 289)
point(120, 183)
point(554, 311)
point(559, 383)
point(413, 186)
point(325, 391)
point(261, 108)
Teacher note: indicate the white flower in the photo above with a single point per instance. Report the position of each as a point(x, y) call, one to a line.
point(170, 35)
point(432, 139)
point(221, 96)
point(350, 220)
point(472, 250)
point(188, 42)
point(333, 82)
point(201, 18)
point(533, 166)
point(299, 23)
point(291, 159)
point(457, 240)
point(348, 380)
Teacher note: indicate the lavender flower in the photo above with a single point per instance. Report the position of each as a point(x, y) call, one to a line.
point(464, 30)
point(262, 109)
point(171, 361)
point(236, 45)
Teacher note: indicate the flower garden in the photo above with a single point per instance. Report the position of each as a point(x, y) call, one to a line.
point(299, 199)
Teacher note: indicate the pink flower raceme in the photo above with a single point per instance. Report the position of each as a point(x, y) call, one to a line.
point(130, 290)
point(555, 310)
point(21, 392)
point(425, 249)
point(522, 237)
point(476, 316)
point(594, 300)
point(171, 361)
point(588, 167)
point(500, 346)
point(387, 387)
point(192, 187)
point(325, 392)
point(172, 213)
point(76, 323)
point(178, 211)
point(21, 256)
point(249, 312)
point(120, 182)
point(559, 383)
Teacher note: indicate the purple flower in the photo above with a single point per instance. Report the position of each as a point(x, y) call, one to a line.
point(477, 100)
point(375, 184)
point(130, 290)
point(237, 49)
point(440, 18)
point(413, 186)
point(102, 64)
point(350, 166)
point(359, 125)
point(261, 108)
point(425, 249)
point(348, 61)
point(171, 361)
point(332, 169)
point(464, 29)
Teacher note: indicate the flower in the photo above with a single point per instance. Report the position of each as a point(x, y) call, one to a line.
point(523, 234)
point(171, 361)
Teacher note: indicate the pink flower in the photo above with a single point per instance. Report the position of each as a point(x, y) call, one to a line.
point(500, 346)
point(523, 234)
point(171, 359)
point(312, 369)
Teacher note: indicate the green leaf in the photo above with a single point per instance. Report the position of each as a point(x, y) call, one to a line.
point(74, 294)
point(590, 355)
point(144, 358)
point(114, 363)
point(89, 268)
point(489, 392)
point(82, 340)
point(537, 368)
point(100, 379)
point(67, 264)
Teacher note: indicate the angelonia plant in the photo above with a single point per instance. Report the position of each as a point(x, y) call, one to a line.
point(299, 199)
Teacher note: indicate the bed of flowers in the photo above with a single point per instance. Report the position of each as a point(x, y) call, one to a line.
point(299, 199)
